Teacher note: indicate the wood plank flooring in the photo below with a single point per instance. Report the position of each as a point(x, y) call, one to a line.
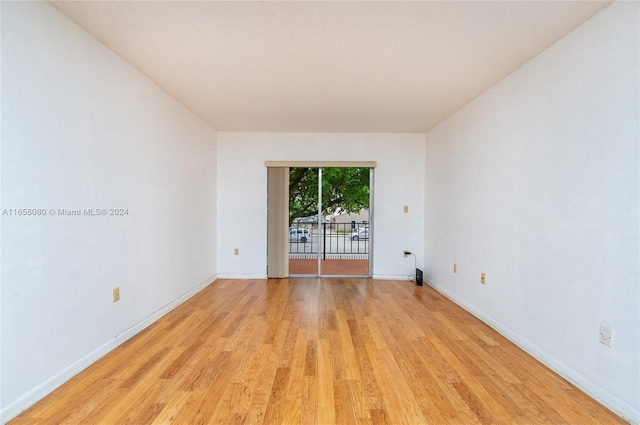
point(317, 351)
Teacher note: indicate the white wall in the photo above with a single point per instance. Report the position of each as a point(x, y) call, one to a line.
point(536, 183)
point(83, 129)
point(242, 193)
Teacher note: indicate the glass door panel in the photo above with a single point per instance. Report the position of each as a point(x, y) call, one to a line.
point(346, 229)
point(303, 221)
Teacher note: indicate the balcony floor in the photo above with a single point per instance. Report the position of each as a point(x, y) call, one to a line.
point(329, 267)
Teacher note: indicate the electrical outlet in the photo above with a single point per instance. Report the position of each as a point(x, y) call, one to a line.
point(455, 268)
point(406, 209)
point(605, 334)
point(236, 251)
point(115, 294)
point(404, 254)
point(483, 278)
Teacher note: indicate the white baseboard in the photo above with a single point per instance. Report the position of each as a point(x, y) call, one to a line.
point(27, 400)
point(264, 276)
point(391, 277)
point(611, 402)
point(241, 276)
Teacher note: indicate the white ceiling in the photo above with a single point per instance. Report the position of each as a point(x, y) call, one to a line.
point(328, 66)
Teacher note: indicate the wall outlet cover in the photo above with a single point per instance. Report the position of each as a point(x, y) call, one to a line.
point(605, 334)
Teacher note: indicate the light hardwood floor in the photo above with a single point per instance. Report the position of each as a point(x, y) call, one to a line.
point(317, 351)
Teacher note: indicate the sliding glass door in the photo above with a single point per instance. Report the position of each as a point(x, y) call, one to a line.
point(330, 221)
point(346, 231)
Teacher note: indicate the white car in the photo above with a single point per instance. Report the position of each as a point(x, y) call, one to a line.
point(361, 234)
point(299, 235)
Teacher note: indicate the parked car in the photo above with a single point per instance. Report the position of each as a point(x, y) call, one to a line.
point(313, 220)
point(299, 235)
point(308, 220)
point(360, 234)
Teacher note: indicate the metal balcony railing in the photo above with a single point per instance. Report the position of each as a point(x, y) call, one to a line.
point(339, 240)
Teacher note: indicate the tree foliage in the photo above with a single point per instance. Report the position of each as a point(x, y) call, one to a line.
point(344, 189)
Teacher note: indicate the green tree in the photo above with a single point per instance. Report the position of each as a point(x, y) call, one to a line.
point(345, 189)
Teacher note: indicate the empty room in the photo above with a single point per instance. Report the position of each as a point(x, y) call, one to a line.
point(327, 212)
